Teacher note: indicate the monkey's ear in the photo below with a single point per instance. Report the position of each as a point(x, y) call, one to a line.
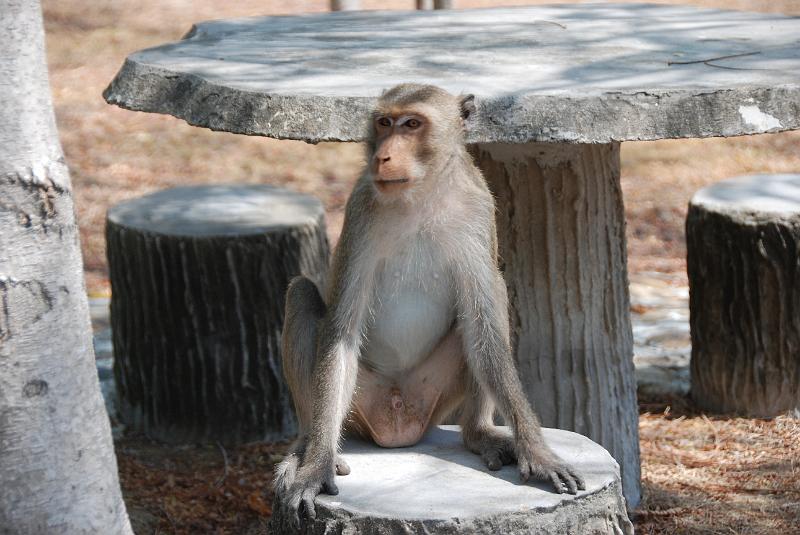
point(467, 106)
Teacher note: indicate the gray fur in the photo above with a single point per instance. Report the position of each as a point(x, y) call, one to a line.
point(322, 345)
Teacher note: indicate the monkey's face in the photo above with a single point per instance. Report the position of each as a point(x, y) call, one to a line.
point(399, 157)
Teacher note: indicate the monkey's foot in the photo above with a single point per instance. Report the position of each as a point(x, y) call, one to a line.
point(495, 448)
point(310, 480)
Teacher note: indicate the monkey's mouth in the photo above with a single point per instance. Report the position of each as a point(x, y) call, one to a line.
point(392, 181)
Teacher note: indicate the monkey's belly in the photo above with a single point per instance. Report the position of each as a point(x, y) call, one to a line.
point(405, 329)
point(395, 411)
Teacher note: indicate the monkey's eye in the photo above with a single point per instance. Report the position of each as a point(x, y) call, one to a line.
point(385, 122)
point(413, 123)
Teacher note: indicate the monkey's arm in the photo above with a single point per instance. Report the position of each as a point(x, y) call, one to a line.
point(335, 370)
point(483, 316)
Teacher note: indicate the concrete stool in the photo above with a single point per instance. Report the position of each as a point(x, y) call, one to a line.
point(743, 245)
point(438, 486)
point(199, 277)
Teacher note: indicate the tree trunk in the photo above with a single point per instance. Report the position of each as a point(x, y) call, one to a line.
point(58, 473)
point(561, 231)
point(744, 303)
point(199, 276)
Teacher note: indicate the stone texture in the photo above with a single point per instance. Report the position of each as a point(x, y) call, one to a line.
point(199, 276)
point(561, 238)
point(661, 342)
point(439, 487)
point(743, 242)
point(583, 73)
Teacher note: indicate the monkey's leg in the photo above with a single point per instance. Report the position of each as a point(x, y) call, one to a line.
point(333, 381)
point(304, 311)
point(483, 313)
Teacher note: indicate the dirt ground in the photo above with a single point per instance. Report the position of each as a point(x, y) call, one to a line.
point(702, 474)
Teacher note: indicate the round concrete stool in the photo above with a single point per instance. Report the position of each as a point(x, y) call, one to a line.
point(438, 486)
point(743, 245)
point(199, 277)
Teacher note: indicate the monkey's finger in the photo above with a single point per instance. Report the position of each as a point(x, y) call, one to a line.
point(492, 460)
point(556, 482)
point(308, 504)
point(578, 479)
point(569, 481)
point(524, 470)
point(294, 509)
point(285, 473)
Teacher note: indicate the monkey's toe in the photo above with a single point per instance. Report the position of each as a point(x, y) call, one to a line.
point(492, 460)
point(342, 468)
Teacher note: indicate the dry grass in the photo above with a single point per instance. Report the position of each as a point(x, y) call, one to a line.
point(718, 475)
point(701, 474)
point(197, 489)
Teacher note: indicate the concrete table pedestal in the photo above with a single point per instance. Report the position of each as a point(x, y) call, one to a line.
point(557, 88)
point(438, 486)
point(561, 230)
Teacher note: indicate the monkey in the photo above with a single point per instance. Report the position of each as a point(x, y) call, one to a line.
point(414, 325)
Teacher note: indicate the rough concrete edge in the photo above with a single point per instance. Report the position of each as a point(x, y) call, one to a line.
point(745, 216)
point(114, 217)
point(600, 117)
point(599, 512)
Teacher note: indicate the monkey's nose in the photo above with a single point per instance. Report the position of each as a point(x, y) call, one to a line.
point(384, 159)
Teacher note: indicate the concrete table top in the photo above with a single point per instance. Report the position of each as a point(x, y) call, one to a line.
point(440, 486)
point(593, 73)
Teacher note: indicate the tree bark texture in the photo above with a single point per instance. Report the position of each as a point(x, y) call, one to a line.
point(744, 279)
point(58, 472)
point(561, 233)
point(197, 312)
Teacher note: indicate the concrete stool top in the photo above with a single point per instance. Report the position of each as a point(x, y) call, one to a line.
point(767, 194)
point(218, 210)
point(438, 480)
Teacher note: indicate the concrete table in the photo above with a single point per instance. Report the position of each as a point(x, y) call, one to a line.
point(558, 88)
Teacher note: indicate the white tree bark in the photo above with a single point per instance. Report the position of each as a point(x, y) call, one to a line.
point(561, 237)
point(58, 472)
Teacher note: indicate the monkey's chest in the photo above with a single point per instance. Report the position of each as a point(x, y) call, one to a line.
point(413, 309)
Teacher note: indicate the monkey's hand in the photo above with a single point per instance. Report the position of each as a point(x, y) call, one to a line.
point(310, 478)
point(535, 460)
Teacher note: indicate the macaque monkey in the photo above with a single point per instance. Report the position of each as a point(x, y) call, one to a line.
point(415, 321)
